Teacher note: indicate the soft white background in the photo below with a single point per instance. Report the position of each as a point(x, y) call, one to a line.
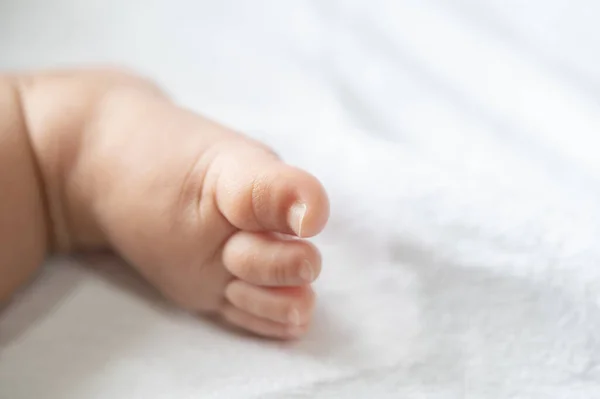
point(459, 142)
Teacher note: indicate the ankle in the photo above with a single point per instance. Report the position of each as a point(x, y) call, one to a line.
point(24, 237)
point(61, 110)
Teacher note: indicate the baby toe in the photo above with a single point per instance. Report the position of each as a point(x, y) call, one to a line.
point(291, 306)
point(259, 325)
point(271, 260)
point(257, 192)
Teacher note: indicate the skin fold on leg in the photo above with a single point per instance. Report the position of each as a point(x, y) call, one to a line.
point(40, 116)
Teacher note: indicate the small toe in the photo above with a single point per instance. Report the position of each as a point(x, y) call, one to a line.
point(258, 192)
point(271, 260)
point(261, 326)
point(292, 306)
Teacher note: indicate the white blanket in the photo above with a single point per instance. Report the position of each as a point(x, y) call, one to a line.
point(459, 143)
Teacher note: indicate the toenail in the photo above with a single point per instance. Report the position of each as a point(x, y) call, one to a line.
point(294, 317)
point(296, 217)
point(306, 272)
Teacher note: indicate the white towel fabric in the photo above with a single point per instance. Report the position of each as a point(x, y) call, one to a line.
point(459, 143)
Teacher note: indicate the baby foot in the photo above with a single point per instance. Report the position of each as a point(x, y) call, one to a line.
point(211, 218)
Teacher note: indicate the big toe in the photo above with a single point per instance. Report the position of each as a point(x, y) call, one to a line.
point(256, 191)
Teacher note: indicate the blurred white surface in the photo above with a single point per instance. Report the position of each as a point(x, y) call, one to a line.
point(459, 143)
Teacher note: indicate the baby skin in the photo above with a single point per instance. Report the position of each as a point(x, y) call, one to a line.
point(101, 159)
